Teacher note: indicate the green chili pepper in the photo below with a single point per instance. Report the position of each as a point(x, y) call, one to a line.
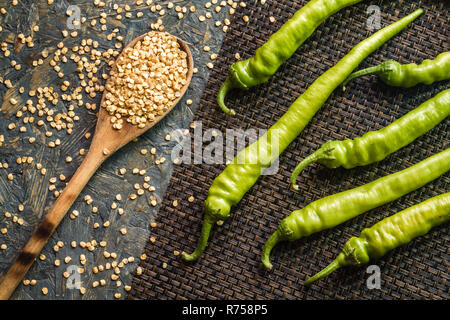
point(330, 211)
point(239, 176)
point(390, 233)
point(377, 145)
point(408, 75)
point(280, 46)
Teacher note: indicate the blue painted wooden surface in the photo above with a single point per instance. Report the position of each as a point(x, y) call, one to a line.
point(31, 188)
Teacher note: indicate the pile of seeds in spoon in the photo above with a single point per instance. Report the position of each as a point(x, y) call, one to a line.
point(146, 80)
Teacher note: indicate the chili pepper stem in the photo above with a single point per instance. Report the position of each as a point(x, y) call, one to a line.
point(324, 153)
point(371, 70)
point(299, 168)
point(333, 266)
point(202, 242)
point(226, 86)
point(265, 256)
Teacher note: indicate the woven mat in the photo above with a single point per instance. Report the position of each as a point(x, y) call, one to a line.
point(231, 268)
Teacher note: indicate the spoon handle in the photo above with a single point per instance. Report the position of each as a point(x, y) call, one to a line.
point(28, 254)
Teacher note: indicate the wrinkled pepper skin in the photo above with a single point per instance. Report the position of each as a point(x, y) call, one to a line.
point(280, 47)
point(239, 176)
point(377, 145)
point(390, 233)
point(335, 209)
point(408, 75)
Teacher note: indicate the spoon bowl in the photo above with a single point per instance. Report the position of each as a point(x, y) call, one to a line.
point(105, 142)
point(115, 139)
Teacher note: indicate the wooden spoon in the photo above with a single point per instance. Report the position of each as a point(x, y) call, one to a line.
point(105, 142)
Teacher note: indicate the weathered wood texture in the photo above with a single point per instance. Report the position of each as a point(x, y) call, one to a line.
point(31, 188)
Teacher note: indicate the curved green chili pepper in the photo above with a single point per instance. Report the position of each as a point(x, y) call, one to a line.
point(239, 176)
point(333, 210)
point(408, 75)
point(377, 145)
point(390, 233)
point(280, 46)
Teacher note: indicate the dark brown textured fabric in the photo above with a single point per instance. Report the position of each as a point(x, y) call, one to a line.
point(231, 267)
